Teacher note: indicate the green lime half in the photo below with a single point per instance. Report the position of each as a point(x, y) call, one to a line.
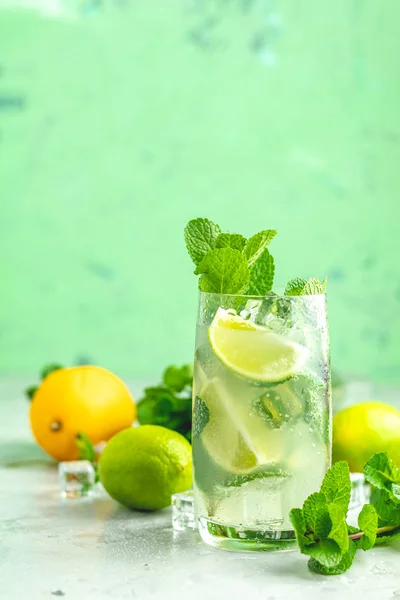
point(254, 352)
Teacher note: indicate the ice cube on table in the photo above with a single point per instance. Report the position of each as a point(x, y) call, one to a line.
point(183, 511)
point(77, 479)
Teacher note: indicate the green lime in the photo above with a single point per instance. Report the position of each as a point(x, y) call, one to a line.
point(142, 467)
point(364, 429)
point(254, 352)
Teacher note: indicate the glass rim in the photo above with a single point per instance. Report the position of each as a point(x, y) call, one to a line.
point(257, 297)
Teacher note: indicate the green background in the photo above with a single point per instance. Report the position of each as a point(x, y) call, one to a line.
point(119, 121)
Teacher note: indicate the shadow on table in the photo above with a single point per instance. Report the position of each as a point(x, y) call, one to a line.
point(14, 454)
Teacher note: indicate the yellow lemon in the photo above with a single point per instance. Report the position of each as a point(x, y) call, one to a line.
point(85, 399)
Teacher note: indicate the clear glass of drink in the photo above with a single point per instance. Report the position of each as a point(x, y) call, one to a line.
point(261, 415)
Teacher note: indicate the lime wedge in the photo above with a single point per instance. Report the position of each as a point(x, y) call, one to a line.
point(236, 439)
point(253, 351)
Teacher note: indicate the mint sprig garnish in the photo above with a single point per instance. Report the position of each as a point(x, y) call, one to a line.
point(200, 237)
point(228, 263)
point(368, 524)
point(320, 525)
point(305, 287)
point(223, 271)
point(256, 245)
point(262, 275)
point(231, 240)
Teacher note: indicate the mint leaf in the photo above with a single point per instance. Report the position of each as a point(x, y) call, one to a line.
point(200, 235)
point(314, 286)
point(44, 372)
point(300, 529)
point(225, 271)
point(177, 378)
point(87, 452)
point(201, 416)
point(302, 287)
point(381, 472)
point(338, 532)
point(388, 511)
point(314, 527)
point(325, 551)
point(49, 368)
point(320, 526)
point(256, 245)
point(230, 240)
point(336, 485)
point(344, 564)
point(262, 275)
point(295, 286)
point(368, 523)
point(170, 403)
point(316, 515)
point(85, 446)
point(31, 391)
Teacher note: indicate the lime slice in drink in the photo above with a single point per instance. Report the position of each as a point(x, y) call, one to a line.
point(239, 442)
point(253, 351)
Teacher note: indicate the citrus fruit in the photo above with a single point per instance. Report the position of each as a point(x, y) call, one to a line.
point(142, 467)
point(252, 351)
point(236, 438)
point(84, 399)
point(363, 429)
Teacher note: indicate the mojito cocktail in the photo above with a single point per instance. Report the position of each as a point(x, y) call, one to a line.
point(261, 397)
point(261, 432)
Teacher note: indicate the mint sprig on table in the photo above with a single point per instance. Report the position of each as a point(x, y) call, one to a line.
point(321, 529)
point(169, 404)
point(229, 263)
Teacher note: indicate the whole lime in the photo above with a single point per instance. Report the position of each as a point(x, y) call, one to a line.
point(142, 467)
point(363, 429)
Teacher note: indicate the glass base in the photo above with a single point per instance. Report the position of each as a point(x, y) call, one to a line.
point(232, 538)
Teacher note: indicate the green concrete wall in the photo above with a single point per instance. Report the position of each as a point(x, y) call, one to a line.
point(119, 121)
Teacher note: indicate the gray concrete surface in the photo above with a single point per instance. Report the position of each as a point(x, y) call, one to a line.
point(97, 549)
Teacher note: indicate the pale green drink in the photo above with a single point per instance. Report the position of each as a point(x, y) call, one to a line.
point(261, 415)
